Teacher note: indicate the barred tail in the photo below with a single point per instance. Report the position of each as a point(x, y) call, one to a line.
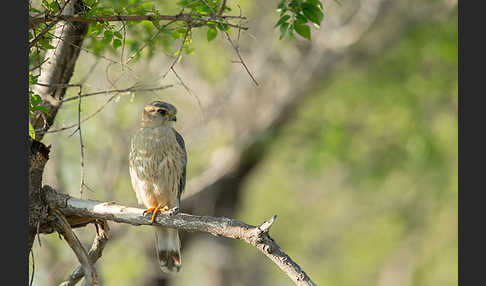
point(168, 247)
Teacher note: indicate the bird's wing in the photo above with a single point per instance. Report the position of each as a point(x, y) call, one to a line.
point(182, 183)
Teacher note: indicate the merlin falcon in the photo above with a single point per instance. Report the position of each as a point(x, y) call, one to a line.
point(158, 162)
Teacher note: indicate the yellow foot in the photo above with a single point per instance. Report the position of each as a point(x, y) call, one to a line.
point(154, 211)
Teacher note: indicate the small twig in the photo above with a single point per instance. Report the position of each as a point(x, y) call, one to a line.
point(239, 30)
point(64, 229)
point(48, 27)
point(81, 145)
point(130, 89)
point(33, 267)
point(39, 65)
point(90, 52)
point(188, 90)
point(123, 43)
point(159, 30)
point(223, 6)
point(94, 253)
point(101, 107)
point(38, 236)
point(90, 72)
point(236, 48)
point(179, 53)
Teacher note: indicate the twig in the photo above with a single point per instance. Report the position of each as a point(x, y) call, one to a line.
point(236, 48)
point(48, 27)
point(202, 18)
point(38, 236)
point(88, 51)
point(131, 89)
point(179, 53)
point(159, 30)
point(39, 65)
point(123, 44)
point(256, 236)
point(94, 254)
point(63, 228)
point(188, 91)
point(33, 267)
point(81, 145)
point(223, 6)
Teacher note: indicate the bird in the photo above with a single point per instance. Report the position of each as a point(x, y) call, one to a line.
point(157, 166)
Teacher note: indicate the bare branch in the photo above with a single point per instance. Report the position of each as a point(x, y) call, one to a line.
point(48, 27)
point(33, 268)
point(237, 50)
point(117, 91)
point(256, 236)
point(179, 53)
point(235, 47)
point(93, 255)
point(159, 30)
point(223, 6)
point(63, 227)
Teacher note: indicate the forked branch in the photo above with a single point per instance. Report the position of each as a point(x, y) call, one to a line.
point(256, 236)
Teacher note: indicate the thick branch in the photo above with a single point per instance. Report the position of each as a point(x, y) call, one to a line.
point(38, 154)
point(256, 236)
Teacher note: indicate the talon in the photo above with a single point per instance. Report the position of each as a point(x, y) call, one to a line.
point(158, 209)
point(149, 210)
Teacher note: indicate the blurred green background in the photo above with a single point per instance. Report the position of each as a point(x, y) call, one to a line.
point(363, 176)
point(364, 179)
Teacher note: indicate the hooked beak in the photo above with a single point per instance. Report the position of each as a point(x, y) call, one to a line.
point(174, 118)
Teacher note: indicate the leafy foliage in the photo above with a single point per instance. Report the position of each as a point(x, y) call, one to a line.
point(297, 15)
point(173, 37)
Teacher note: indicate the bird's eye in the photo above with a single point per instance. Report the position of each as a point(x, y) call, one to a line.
point(162, 112)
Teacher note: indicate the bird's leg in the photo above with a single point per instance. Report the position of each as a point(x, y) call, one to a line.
point(154, 211)
point(149, 210)
point(158, 209)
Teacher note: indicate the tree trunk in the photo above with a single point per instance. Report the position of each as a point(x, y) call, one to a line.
point(56, 72)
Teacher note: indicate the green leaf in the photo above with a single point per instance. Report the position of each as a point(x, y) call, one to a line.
point(31, 131)
point(281, 7)
point(116, 43)
point(223, 27)
point(118, 35)
point(282, 20)
point(303, 30)
point(317, 3)
point(108, 36)
point(175, 35)
point(312, 13)
point(283, 29)
point(300, 19)
point(212, 33)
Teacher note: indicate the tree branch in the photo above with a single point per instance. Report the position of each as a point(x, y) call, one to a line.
point(200, 18)
point(63, 227)
point(93, 255)
point(256, 236)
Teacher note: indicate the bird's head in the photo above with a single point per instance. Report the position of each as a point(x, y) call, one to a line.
point(159, 113)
